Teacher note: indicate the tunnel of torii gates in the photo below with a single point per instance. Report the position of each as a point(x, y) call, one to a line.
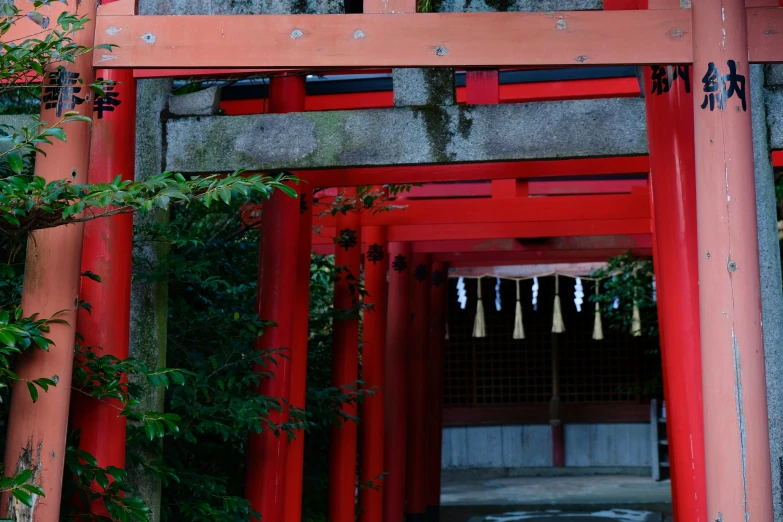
point(702, 219)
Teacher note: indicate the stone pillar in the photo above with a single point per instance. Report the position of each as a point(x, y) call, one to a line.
point(149, 298)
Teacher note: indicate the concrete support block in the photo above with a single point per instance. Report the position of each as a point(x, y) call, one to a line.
point(424, 87)
point(771, 282)
point(239, 7)
point(405, 136)
point(774, 74)
point(205, 102)
point(773, 104)
point(449, 6)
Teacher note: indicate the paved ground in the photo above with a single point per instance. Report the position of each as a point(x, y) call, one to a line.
point(615, 498)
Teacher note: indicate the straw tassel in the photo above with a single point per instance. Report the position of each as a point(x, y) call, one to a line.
point(636, 323)
point(519, 328)
point(479, 328)
point(557, 316)
point(598, 327)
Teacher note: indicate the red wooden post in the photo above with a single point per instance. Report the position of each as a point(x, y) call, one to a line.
point(295, 464)
point(732, 351)
point(345, 368)
point(36, 438)
point(266, 456)
point(669, 104)
point(107, 252)
point(373, 374)
point(397, 339)
point(416, 468)
point(438, 317)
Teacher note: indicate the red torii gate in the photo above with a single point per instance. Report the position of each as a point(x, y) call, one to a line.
point(723, 33)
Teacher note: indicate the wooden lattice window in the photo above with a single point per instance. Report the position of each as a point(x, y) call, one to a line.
point(498, 370)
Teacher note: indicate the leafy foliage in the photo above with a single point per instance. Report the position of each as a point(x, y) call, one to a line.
point(628, 280)
point(30, 203)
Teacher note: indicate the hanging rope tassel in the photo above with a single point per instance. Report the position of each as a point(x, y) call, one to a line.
point(446, 336)
point(598, 327)
point(636, 323)
point(479, 328)
point(519, 328)
point(557, 316)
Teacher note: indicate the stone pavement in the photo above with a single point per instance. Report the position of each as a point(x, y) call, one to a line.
point(576, 499)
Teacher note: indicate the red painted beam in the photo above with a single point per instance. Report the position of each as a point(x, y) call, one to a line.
point(505, 230)
point(542, 187)
point(552, 244)
point(477, 171)
point(487, 210)
point(534, 256)
point(508, 93)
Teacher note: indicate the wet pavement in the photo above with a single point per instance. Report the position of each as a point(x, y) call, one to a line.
point(610, 498)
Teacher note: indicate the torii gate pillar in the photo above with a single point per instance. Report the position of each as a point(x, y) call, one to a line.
point(267, 453)
point(669, 103)
point(732, 352)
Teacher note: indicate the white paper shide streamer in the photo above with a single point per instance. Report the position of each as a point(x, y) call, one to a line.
point(578, 294)
point(598, 327)
point(519, 328)
point(462, 295)
point(557, 315)
point(497, 294)
point(479, 326)
point(535, 294)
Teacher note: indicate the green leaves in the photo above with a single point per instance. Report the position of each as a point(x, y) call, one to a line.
point(30, 203)
point(22, 487)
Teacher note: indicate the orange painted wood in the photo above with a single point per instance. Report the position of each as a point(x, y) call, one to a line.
point(389, 6)
point(765, 34)
point(476, 171)
point(37, 431)
point(405, 40)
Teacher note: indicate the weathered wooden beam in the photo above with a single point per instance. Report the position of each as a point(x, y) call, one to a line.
point(396, 40)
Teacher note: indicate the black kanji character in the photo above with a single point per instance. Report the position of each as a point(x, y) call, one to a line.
point(735, 84)
point(61, 90)
point(660, 79)
point(302, 203)
point(420, 272)
point(437, 278)
point(347, 238)
point(714, 88)
point(375, 253)
point(681, 71)
point(399, 264)
point(108, 102)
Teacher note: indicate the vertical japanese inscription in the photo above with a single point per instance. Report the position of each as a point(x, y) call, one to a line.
point(719, 88)
point(61, 90)
point(108, 101)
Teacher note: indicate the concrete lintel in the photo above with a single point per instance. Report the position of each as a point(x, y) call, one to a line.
point(200, 103)
point(405, 136)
